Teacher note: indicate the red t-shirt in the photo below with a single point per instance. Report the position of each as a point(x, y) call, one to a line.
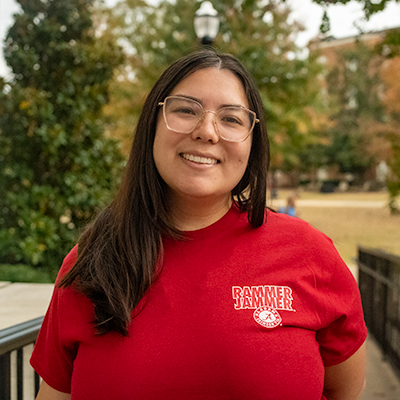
point(237, 313)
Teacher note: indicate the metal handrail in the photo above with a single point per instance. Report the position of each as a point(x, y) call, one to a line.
point(378, 277)
point(14, 339)
point(20, 335)
point(393, 258)
point(379, 283)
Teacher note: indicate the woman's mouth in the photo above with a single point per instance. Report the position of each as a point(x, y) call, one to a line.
point(199, 160)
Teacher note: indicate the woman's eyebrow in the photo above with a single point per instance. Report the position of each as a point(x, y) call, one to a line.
point(190, 98)
point(201, 101)
point(233, 105)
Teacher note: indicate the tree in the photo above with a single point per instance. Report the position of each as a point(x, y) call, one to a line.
point(363, 93)
point(388, 48)
point(258, 33)
point(393, 183)
point(369, 7)
point(358, 116)
point(325, 26)
point(57, 167)
point(391, 101)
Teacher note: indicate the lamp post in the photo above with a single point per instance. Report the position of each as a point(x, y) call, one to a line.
point(206, 23)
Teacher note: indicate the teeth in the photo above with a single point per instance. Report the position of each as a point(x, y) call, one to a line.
point(199, 160)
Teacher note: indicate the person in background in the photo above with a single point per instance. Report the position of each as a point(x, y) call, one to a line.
point(186, 286)
point(290, 208)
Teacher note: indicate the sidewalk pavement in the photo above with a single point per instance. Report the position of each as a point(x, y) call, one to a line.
point(20, 302)
point(382, 382)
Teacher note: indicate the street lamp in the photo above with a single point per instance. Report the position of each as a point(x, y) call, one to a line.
point(206, 23)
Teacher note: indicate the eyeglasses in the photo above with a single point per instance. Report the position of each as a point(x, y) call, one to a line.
point(232, 123)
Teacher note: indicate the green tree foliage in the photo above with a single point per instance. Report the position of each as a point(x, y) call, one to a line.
point(393, 183)
point(389, 48)
point(391, 78)
point(354, 89)
point(56, 166)
point(369, 7)
point(325, 26)
point(257, 32)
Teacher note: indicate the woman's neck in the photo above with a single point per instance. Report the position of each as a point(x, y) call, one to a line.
point(194, 214)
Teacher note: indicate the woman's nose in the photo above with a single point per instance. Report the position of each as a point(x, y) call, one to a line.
point(207, 128)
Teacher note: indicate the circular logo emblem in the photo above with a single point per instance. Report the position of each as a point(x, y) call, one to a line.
point(267, 317)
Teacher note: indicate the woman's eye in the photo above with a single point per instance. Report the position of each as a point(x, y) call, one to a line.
point(232, 120)
point(186, 110)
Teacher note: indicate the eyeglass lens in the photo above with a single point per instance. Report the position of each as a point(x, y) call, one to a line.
point(183, 115)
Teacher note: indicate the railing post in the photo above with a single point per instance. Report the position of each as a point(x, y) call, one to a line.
point(20, 374)
point(5, 377)
point(13, 341)
point(37, 383)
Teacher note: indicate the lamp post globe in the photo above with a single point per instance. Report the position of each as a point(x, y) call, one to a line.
point(206, 23)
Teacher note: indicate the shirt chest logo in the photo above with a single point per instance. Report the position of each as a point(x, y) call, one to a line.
point(267, 317)
point(265, 300)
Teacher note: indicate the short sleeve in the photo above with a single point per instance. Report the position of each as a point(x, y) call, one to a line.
point(53, 357)
point(345, 330)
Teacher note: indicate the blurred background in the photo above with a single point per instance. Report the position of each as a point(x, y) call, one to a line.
point(74, 75)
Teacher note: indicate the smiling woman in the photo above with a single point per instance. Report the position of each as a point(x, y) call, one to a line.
point(187, 286)
point(200, 168)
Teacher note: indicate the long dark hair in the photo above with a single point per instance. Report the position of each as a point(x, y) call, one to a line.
point(119, 251)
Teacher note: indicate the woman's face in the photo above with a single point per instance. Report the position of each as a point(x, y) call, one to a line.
point(201, 165)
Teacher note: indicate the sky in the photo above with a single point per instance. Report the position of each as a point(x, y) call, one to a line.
point(309, 14)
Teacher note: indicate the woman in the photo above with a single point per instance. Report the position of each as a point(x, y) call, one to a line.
point(186, 287)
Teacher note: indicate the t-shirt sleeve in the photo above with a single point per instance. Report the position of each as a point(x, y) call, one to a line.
point(344, 329)
point(53, 357)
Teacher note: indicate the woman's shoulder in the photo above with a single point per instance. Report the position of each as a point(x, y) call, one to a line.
point(68, 263)
point(303, 245)
point(294, 229)
point(283, 219)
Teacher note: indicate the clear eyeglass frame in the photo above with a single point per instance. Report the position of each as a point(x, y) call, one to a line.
point(201, 119)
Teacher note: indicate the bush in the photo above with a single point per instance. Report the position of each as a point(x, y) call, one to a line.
point(23, 273)
point(57, 165)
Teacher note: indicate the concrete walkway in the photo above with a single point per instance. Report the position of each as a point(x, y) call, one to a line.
point(382, 382)
point(20, 302)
